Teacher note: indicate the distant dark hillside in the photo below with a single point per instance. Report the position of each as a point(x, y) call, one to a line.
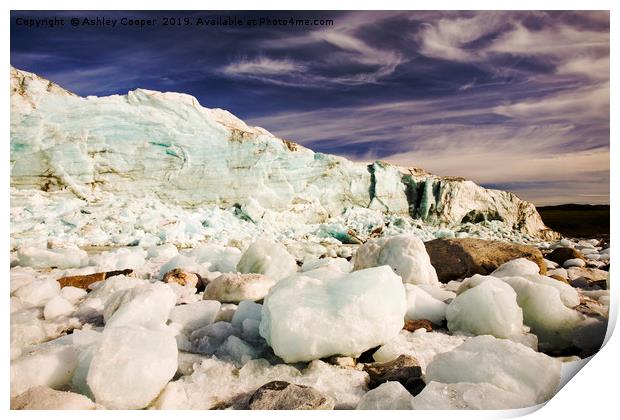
point(577, 220)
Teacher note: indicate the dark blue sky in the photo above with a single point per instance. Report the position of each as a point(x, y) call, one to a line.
point(516, 100)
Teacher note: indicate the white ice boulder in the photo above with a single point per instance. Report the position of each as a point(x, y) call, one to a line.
point(340, 264)
point(517, 267)
point(246, 310)
point(44, 258)
point(421, 305)
point(488, 308)
point(507, 365)
point(57, 307)
point(132, 366)
point(86, 343)
point(208, 339)
point(73, 294)
point(305, 318)
point(545, 312)
point(38, 292)
point(568, 294)
point(195, 315)
point(269, 258)
point(439, 292)
point(467, 396)
point(387, 396)
point(20, 279)
point(236, 350)
point(147, 305)
point(405, 254)
point(220, 258)
point(51, 366)
point(235, 287)
point(543, 309)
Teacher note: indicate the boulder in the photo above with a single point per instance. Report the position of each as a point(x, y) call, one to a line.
point(559, 255)
point(195, 315)
point(51, 366)
point(83, 282)
point(468, 396)
point(388, 396)
point(458, 258)
point(422, 305)
point(488, 308)
point(405, 254)
point(404, 369)
point(269, 258)
point(306, 318)
point(131, 367)
point(507, 365)
point(546, 304)
point(281, 395)
point(592, 276)
point(235, 287)
point(184, 278)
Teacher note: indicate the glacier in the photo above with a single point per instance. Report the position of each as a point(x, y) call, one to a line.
point(177, 172)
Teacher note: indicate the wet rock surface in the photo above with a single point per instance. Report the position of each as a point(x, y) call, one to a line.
point(84, 281)
point(281, 395)
point(458, 258)
point(184, 278)
point(404, 369)
point(561, 255)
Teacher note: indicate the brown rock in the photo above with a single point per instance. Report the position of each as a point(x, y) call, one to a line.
point(183, 278)
point(404, 369)
point(588, 277)
point(417, 324)
point(84, 281)
point(559, 278)
point(458, 258)
point(235, 287)
point(281, 395)
point(559, 255)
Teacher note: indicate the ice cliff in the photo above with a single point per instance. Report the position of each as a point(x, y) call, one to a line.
point(189, 156)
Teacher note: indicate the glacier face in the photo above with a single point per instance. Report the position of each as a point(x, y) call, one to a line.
point(167, 145)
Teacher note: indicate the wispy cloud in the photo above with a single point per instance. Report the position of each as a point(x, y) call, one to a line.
point(559, 139)
point(338, 57)
point(262, 66)
point(449, 38)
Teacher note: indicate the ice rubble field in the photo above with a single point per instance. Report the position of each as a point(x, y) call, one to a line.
point(132, 342)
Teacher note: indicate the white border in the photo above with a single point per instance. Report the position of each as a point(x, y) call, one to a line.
point(591, 394)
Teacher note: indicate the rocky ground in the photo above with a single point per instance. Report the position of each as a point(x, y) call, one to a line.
point(392, 323)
